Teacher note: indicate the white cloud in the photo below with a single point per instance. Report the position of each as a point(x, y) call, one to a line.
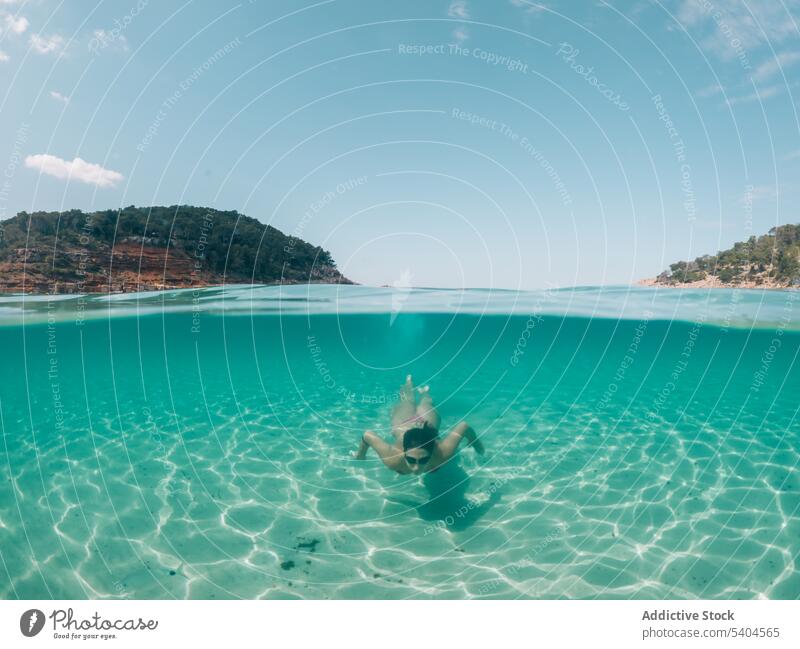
point(792, 155)
point(460, 34)
point(4, 57)
point(530, 7)
point(77, 169)
point(103, 38)
point(59, 97)
point(458, 9)
point(729, 28)
point(45, 45)
point(774, 65)
point(709, 91)
point(16, 25)
point(758, 193)
point(760, 95)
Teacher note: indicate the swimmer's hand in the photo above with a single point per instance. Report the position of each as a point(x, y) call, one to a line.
point(477, 445)
point(362, 449)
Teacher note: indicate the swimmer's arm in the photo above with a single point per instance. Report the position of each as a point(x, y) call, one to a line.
point(386, 452)
point(450, 444)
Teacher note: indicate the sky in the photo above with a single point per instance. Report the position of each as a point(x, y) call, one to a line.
point(454, 143)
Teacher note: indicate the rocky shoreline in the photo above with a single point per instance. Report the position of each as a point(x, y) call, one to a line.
point(715, 282)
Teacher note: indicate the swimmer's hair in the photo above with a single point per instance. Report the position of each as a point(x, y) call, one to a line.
point(423, 438)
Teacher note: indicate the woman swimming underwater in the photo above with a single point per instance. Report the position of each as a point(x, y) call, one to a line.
point(417, 448)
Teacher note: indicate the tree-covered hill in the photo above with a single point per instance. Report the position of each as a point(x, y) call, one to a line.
point(151, 248)
point(771, 260)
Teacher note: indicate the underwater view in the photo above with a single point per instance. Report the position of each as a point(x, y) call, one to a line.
point(640, 443)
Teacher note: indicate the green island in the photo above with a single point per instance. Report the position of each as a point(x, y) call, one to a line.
point(769, 261)
point(152, 248)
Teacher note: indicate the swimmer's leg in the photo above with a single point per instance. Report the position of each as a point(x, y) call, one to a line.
point(427, 410)
point(405, 409)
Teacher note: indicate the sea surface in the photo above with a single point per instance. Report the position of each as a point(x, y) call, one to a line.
point(640, 443)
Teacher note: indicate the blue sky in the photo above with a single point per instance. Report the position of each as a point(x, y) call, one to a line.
point(500, 143)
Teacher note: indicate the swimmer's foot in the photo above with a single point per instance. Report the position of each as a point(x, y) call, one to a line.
point(424, 389)
point(407, 391)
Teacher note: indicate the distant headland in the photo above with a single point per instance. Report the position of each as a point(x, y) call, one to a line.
point(769, 261)
point(152, 248)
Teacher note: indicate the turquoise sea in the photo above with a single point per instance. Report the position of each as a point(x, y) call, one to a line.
point(640, 443)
